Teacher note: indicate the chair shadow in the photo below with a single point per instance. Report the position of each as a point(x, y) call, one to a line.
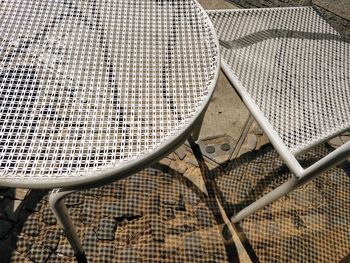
point(210, 202)
point(268, 34)
point(8, 251)
point(24, 210)
point(277, 172)
point(265, 180)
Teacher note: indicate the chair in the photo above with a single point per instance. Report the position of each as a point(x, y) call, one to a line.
point(292, 71)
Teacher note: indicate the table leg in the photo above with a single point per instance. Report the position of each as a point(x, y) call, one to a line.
point(197, 129)
point(61, 213)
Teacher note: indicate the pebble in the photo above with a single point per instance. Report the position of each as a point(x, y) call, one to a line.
point(171, 254)
point(135, 183)
point(297, 221)
point(119, 190)
point(272, 230)
point(149, 186)
point(251, 141)
point(116, 209)
point(58, 258)
point(167, 178)
point(87, 214)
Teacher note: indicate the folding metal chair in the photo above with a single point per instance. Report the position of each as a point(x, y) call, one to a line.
point(292, 71)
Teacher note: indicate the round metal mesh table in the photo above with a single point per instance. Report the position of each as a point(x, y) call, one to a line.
point(94, 86)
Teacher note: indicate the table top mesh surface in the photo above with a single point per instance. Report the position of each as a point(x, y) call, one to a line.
point(294, 66)
point(87, 85)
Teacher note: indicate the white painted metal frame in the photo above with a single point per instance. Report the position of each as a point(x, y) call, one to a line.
point(124, 169)
point(99, 178)
point(301, 175)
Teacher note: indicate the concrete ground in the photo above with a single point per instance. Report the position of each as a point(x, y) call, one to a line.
point(178, 211)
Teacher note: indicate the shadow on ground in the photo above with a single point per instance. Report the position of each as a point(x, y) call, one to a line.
point(152, 216)
point(310, 224)
point(159, 215)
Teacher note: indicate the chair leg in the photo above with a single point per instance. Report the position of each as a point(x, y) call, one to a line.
point(272, 196)
point(61, 213)
point(197, 129)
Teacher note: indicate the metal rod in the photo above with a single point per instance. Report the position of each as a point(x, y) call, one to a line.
point(61, 213)
point(337, 156)
point(197, 128)
point(268, 199)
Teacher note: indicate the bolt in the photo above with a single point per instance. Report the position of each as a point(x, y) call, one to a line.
point(225, 147)
point(210, 149)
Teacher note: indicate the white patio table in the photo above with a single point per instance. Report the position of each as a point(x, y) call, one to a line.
point(94, 91)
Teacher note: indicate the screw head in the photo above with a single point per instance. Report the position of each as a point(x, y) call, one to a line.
point(225, 147)
point(210, 149)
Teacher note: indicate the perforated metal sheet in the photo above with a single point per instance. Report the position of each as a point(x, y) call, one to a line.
point(86, 85)
point(294, 66)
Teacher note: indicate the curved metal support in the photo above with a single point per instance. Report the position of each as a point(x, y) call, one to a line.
point(61, 213)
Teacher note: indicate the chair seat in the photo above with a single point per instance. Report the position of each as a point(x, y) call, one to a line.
point(294, 66)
